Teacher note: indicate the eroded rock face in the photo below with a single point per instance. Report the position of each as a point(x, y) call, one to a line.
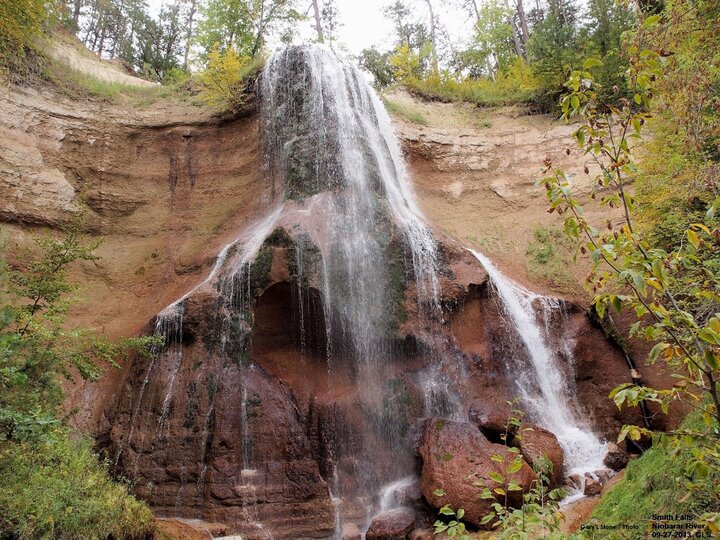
point(454, 457)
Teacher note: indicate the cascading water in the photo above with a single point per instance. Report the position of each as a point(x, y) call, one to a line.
point(542, 384)
point(326, 130)
point(354, 255)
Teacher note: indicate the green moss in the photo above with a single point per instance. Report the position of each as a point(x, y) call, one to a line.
point(260, 270)
point(280, 238)
point(549, 258)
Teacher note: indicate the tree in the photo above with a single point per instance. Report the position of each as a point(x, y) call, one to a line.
point(378, 65)
point(36, 350)
point(318, 24)
point(244, 24)
point(554, 47)
point(607, 22)
point(189, 22)
point(433, 40)
point(494, 37)
point(221, 81)
point(329, 16)
point(407, 30)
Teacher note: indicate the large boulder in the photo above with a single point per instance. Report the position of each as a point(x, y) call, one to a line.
point(616, 458)
point(392, 525)
point(592, 487)
point(456, 457)
point(536, 443)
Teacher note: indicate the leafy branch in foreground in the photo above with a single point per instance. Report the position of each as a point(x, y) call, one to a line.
point(674, 293)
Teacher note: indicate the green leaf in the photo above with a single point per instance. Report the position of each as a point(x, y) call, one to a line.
point(460, 513)
point(515, 466)
point(447, 510)
point(495, 477)
point(651, 21)
point(439, 493)
point(591, 63)
point(486, 519)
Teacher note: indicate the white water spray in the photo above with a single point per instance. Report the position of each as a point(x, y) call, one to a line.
point(543, 387)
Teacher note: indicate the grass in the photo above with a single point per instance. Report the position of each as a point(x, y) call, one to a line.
point(402, 111)
point(59, 489)
point(653, 484)
point(549, 258)
point(77, 84)
point(515, 86)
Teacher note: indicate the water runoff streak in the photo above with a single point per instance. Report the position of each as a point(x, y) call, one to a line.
point(543, 386)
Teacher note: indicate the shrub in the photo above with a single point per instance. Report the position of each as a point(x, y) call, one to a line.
point(21, 21)
point(221, 83)
point(59, 489)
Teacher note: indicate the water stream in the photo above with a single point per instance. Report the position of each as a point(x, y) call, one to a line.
point(357, 235)
point(543, 386)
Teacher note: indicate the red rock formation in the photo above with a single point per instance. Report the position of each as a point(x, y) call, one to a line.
point(458, 459)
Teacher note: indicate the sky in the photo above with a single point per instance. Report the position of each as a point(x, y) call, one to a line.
point(364, 25)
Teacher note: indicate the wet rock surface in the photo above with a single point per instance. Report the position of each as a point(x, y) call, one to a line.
point(536, 443)
point(616, 458)
point(592, 488)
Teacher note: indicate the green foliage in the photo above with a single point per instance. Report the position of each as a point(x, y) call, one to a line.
point(674, 291)
point(21, 22)
point(516, 84)
point(493, 43)
point(50, 485)
point(243, 25)
point(378, 65)
point(538, 517)
point(222, 82)
point(36, 349)
point(554, 48)
point(450, 521)
point(539, 514)
point(59, 489)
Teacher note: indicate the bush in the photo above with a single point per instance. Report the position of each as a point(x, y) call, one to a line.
point(222, 81)
point(59, 489)
point(653, 485)
point(515, 85)
point(21, 21)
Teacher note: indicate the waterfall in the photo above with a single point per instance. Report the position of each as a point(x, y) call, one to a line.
point(344, 243)
point(330, 146)
point(543, 386)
